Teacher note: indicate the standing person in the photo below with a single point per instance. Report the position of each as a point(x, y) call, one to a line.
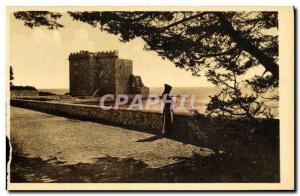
point(167, 110)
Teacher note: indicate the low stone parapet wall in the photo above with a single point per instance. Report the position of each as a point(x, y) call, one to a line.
point(198, 130)
point(141, 120)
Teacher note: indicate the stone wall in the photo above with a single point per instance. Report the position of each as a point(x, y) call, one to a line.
point(100, 73)
point(123, 71)
point(197, 130)
point(105, 72)
point(126, 118)
point(81, 75)
point(137, 86)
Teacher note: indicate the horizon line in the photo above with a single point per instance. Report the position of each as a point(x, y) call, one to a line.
point(150, 87)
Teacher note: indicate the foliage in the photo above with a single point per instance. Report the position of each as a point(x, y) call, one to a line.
point(39, 18)
point(22, 88)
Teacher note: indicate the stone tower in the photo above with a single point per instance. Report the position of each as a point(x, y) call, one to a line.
point(102, 73)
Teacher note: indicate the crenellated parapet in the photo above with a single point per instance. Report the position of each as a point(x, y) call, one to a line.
point(98, 55)
point(81, 54)
point(107, 54)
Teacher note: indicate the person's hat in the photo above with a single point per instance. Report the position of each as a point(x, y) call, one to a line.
point(168, 89)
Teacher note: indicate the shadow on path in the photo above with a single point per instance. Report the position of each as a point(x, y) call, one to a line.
point(150, 139)
point(215, 168)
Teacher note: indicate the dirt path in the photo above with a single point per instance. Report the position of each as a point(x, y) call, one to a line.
point(49, 148)
point(40, 135)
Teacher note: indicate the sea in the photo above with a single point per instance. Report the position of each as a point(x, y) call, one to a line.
point(201, 94)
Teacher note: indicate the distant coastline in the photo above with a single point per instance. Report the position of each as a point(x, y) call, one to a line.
point(58, 91)
point(200, 92)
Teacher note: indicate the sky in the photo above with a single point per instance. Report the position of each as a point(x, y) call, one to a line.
point(39, 56)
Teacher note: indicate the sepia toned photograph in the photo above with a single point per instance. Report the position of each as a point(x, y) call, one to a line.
point(135, 98)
